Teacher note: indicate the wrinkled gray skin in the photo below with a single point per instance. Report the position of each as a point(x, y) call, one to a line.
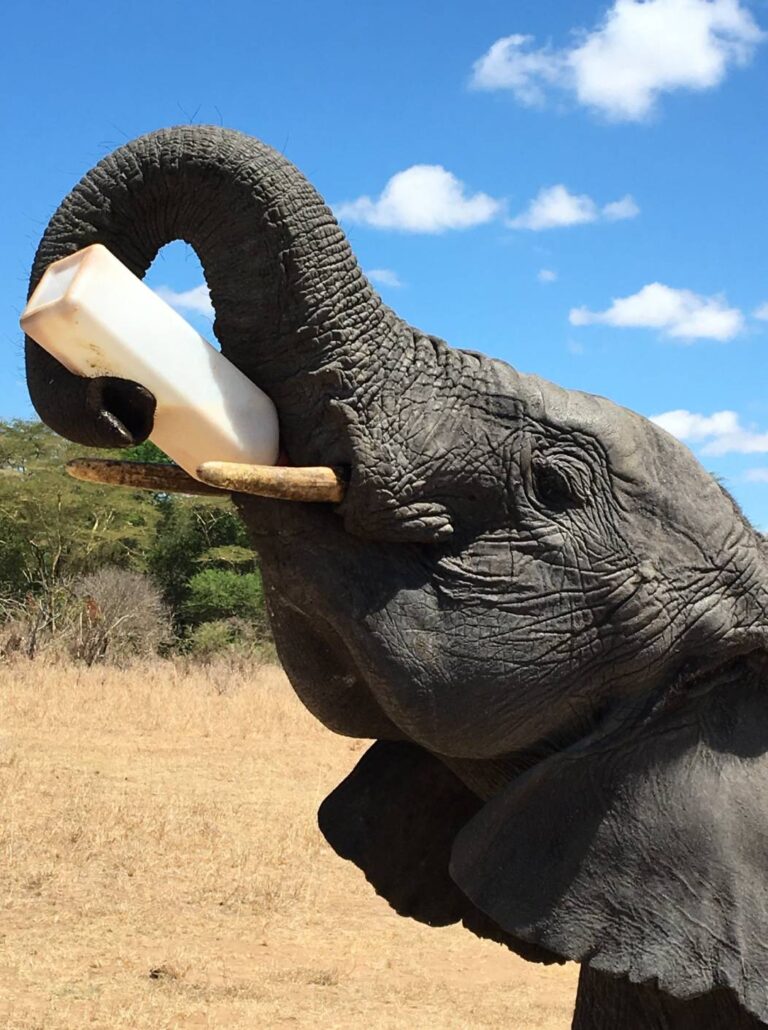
point(549, 616)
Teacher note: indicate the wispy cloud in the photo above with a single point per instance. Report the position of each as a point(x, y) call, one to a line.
point(422, 198)
point(756, 475)
point(618, 210)
point(720, 433)
point(547, 275)
point(384, 277)
point(197, 300)
point(512, 63)
point(679, 314)
point(555, 207)
point(761, 312)
point(640, 50)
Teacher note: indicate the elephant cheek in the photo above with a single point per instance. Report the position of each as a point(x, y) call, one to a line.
point(325, 675)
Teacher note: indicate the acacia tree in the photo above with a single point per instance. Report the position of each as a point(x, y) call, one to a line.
point(53, 527)
point(193, 536)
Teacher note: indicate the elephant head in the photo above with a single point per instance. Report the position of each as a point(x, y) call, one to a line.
point(550, 618)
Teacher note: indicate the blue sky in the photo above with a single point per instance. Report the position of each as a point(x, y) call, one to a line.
point(576, 188)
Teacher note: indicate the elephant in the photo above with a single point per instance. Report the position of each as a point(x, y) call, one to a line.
point(546, 615)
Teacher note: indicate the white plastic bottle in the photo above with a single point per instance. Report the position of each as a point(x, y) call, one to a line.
point(97, 318)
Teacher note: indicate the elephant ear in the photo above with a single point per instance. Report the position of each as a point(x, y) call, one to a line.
point(645, 858)
point(396, 817)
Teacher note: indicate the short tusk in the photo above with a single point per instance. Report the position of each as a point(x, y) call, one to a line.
point(282, 482)
point(279, 482)
point(138, 475)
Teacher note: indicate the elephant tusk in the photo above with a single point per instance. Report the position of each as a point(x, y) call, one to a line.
point(281, 482)
point(139, 475)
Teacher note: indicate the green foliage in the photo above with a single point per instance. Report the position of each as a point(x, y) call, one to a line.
point(211, 638)
point(192, 535)
point(235, 638)
point(233, 556)
point(146, 451)
point(215, 594)
point(53, 526)
point(13, 558)
point(55, 530)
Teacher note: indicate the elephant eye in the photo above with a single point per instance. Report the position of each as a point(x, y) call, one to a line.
point(556, 488)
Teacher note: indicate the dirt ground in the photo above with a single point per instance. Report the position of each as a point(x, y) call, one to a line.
point(160, 867)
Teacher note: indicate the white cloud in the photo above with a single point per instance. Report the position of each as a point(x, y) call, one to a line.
point(384, 277)
point(510, 64)
point(756, 476)
point(198, 299)
point(688, 426)
point(641, 49)
point(721, 432)
point(761, 312)
point(547, 275)
point(423, 198)
point(554, 207)
point(680, 314)
point(618, 210)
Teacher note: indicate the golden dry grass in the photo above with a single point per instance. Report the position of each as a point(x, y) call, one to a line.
point(160, 867)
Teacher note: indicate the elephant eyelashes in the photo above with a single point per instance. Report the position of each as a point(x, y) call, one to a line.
point(556, 487)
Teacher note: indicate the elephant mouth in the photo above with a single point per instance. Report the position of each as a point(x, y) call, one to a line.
point(700, 675)
point(130, 410)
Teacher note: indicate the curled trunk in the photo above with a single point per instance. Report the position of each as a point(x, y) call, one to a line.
point(293, 309)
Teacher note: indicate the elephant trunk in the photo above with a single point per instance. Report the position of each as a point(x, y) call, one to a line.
point(293, 310)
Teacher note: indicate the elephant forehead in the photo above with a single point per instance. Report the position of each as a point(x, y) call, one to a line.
point(657, 474)
point(635, 447)
point(626, 436)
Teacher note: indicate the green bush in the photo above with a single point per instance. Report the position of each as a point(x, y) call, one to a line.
point(232, 638)
point(215, 594)
point(191, 538)
point(210, 639)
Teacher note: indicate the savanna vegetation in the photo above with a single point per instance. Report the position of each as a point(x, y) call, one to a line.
point(161, 867)
point(98, 573)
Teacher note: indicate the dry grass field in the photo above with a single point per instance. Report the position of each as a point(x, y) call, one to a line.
point(160, 867)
